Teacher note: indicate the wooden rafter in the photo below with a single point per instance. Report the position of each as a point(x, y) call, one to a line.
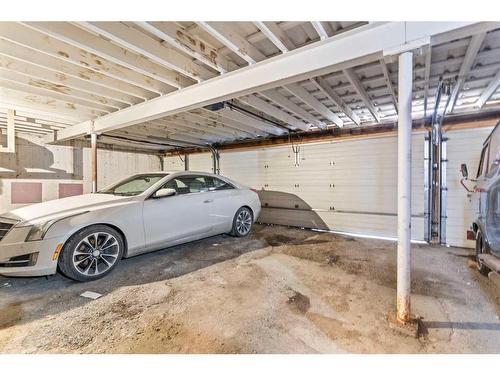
point(360, 90)
point(235, 42)
point(327, 90)
point(470, 56)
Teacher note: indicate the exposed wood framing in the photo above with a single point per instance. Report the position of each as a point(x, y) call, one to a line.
point(489, 91)
point(82, 39)
point(327, 90)
point(138, 84)
point(286, 103)
point(140, 43)
point(190, 44)
point(360, 46)
point(320, 29)
point(235, 42)
point(360, 90)
point(273, 111)
point(314, 103)
point(42, 66)
point(277, 36)
point(388, 82)
point(470, 57)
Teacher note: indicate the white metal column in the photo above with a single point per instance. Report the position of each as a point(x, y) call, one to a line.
point(405, 80)
point(93, 145)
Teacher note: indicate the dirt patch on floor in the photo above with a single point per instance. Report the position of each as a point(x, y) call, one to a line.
point(280, 290)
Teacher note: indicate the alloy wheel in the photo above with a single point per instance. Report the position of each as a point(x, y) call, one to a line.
point(243, 222)
point(96, 253)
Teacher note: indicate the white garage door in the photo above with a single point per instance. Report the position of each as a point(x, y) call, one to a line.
point(463, 146)
point(346, 185)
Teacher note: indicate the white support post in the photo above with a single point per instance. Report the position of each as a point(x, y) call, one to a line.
point(405, 82)
point(93, 145)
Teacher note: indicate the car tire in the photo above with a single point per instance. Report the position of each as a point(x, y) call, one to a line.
point(242, 222)
point(481, 248)
point(91, 253)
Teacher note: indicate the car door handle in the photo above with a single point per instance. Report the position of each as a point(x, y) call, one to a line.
point(208, 201)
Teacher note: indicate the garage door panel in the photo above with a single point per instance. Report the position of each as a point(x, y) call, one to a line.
point(356, 176)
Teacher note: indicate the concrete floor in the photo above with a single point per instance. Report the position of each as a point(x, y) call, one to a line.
point(280, 290)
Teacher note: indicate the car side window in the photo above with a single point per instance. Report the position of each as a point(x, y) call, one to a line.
point(214, 184)
point(494, 153)
point(483, 162)
point(187, 184)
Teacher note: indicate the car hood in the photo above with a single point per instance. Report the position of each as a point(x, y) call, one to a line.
point(64, 207)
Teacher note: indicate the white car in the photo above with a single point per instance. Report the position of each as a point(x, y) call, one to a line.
point(85, 236)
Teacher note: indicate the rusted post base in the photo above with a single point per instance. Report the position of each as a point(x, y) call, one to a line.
point(413, 327)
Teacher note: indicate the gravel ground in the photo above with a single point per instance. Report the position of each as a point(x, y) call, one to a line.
point(280, 290)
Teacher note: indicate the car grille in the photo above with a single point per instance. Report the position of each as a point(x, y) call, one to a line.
point(4, 228)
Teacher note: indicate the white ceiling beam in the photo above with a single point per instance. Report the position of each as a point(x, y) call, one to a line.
point(163, 132)
point(472, 51)
point(141, 43)
point(359, 46)
point(273, 111)
point(183, 131)
point(320, 29)
point(13, 98)
point(489, 91)
point(182, 119)
point(328, 91)
point(203, 129)
point(148, 135)
point(215, 121)
point(314, 103)
point(49, 68)
point(235, 42)
point(390, 87)
point(251, 121)
point(286, 103)
point(360, 90)
point(80, 38)
point(277, 36)
point(214, 116)
point(30, 37)
point(203, 123)
point(39, 88)
point(193, 46)
point(19, 76)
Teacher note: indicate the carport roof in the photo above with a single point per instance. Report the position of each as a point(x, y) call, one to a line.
point(121, 78)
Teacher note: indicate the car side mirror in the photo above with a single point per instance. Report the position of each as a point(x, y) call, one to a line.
point(165, 192)
point(463, 169)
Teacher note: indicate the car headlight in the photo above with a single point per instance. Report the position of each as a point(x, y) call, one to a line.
point(37, 231)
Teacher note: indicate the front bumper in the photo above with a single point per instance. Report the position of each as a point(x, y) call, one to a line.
point(44, 265)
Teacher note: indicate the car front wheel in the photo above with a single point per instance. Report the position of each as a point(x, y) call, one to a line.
point(91, 253)
point(242, 222)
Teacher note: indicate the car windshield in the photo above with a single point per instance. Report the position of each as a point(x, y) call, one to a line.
point(134, 185)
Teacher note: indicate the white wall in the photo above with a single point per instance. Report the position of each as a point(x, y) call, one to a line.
point(50, 165)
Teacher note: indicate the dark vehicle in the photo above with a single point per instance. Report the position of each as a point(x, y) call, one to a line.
point(485, 205)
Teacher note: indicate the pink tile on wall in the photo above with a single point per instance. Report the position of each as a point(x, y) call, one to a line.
point(68, 190)
point(25, 192)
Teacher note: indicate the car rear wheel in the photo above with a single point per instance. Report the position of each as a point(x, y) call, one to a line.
point(481, 248)
point(91, 253)
point(242, 222)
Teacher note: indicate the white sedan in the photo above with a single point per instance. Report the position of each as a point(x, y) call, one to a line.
point(85, 236)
